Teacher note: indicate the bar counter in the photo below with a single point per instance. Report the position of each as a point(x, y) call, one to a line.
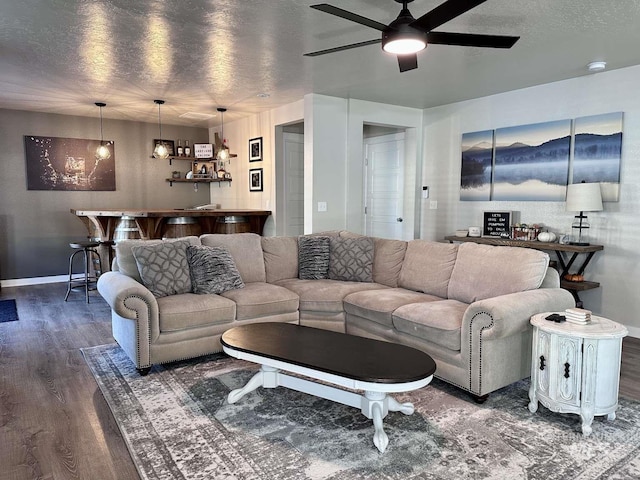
point(102, 223)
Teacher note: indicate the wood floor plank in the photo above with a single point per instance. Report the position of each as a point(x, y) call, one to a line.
point(54, 421)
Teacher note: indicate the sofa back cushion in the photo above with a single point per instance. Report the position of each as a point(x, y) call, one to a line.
point(280, 257)
point(387, 260)
point(126, 263)
point(427, 267)
point(246, 250)
point(485, 271)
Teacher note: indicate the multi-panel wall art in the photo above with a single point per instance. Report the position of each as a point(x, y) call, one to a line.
point(537, 161)
point(55, 163)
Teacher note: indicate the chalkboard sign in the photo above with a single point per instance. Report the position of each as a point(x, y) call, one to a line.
point(496, 224)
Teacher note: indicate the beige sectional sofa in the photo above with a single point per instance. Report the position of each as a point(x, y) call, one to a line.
point(468, 305)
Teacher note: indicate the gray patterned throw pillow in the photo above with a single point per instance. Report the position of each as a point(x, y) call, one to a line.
point(163, 267)
point(212, 269)
point(351, 259)
point(313, 257)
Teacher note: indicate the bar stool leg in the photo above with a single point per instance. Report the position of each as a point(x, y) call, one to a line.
point(70, 283)
point(86, 273)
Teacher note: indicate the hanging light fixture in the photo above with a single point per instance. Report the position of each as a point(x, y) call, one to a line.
point(102, 152)
point(223, 152)
point(161, 150)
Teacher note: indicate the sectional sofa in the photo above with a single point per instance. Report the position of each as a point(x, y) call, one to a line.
point(467, 305)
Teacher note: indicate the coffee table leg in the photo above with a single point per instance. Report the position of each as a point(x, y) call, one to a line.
point(267, 377)
point(395, 406)
point(380, 438)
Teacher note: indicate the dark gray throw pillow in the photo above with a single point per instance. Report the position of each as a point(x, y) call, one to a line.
point(163, 267)
point(212, 270)
point(313, 257)
point(351, 259)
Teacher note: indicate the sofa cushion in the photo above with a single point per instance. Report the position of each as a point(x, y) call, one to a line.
point(485, 271)
point(127, 263)
point(325, 295)
point(280, 257)
point(437, 322)
point(388, 256)
point(212, 270)
point(246, 250)
point(313, 257)
point(179, 312)
point(378, 305)
point(262, 299)
point(163, 267)
point(427, 267)
point(351, 259)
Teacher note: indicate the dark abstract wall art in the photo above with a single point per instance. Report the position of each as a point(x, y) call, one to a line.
point(55, 163)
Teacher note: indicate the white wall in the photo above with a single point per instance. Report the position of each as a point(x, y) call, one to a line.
point(617, 268)
point(237, 194)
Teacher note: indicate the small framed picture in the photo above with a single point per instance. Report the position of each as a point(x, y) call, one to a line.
point(255, 180)
point(255, 149)
point(167, 143)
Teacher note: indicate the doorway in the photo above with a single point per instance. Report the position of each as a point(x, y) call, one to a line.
point(384, 158)
point(290, 181)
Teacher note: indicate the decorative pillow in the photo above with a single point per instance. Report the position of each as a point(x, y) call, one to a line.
point(351, 259)
point(313, 257)
point(212, 270)
point(163, 267)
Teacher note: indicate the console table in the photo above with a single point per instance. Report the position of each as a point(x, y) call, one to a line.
point(566, 254)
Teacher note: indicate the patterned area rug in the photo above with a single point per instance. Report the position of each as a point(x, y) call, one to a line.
point(178, 425)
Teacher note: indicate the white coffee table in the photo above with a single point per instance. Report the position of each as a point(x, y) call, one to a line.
point(356, 363)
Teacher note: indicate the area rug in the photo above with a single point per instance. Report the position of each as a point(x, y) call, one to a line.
point(178, 425)
point(8, 311)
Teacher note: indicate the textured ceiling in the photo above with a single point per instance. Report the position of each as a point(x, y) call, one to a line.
point(61, 56)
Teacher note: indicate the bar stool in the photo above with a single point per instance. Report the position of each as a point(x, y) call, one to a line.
point(90, 254)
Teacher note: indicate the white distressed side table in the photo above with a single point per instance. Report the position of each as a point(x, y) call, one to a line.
point(576, 368)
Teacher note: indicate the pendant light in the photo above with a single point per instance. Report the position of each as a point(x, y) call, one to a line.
point(161, 150)
point(223, 152)
point(102, 152)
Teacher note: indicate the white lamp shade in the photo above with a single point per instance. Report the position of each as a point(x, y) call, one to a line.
point(584, 197)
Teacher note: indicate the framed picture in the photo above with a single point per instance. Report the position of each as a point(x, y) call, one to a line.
point(255, 149)
point(167, 143)
point(203, 150)
point(255, 180)
point(56, 163)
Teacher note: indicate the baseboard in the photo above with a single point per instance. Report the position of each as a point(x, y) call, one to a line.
point(633, 331)
point(22, 282)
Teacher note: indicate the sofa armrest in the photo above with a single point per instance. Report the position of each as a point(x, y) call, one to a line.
point(506, 315)
point(127, 297)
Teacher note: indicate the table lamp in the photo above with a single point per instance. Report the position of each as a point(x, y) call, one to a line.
point(583, 197)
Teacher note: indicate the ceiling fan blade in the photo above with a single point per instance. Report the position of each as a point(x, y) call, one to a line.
point(339, 12)
point(344, 47)
point(443, 13)
point(471, 39)
point(408, 62)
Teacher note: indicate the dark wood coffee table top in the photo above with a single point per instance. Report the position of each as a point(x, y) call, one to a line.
point(349, 356)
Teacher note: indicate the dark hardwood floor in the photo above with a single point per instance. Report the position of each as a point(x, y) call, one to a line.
point(54, 422)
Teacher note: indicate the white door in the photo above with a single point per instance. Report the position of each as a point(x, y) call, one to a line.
point(384, 178)
point(293, 183)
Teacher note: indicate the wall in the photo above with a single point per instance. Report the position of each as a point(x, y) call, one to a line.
point(238, 134)
point(617, 227)
point(36, 226)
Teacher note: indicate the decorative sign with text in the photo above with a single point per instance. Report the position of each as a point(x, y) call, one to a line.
point(496, 224)
point(203, 150)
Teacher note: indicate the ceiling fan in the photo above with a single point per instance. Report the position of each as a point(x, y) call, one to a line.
point(406, 35)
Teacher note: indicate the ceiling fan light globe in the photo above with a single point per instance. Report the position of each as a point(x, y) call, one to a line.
point(404, 46)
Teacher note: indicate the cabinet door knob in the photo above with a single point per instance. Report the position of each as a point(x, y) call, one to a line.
point(399, 219)
point(542, 362)
point(566, 370)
